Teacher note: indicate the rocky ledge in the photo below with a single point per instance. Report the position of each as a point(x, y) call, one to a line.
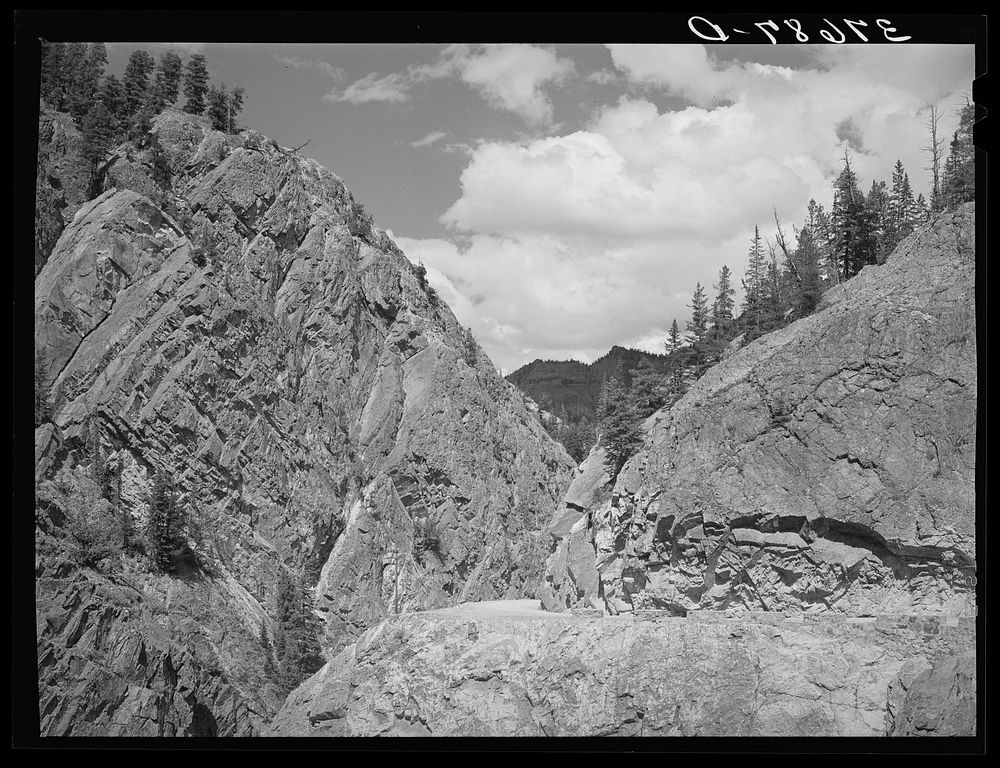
point(510, 669)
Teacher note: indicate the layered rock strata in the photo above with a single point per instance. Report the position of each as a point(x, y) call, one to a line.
point(228, 312)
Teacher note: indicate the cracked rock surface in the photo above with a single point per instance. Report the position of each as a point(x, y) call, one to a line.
point(317, 405)
point(828, 466)
point(474, 672)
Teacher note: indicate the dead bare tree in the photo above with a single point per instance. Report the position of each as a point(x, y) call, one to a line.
point(935, 149)
point(782, 243)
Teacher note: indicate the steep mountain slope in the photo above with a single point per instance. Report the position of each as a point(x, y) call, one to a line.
point(61, 183)
point(576, 386)
point(318, 407)
point(792, 552)
point(829, 465)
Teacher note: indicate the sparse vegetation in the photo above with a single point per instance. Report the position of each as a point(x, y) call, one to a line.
point(470, 350)
point(296, 639)
point(166, 526)
point(619, 422)
point(92, 531)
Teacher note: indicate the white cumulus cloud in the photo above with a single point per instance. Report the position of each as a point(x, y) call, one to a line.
point(509, 77)
point(372, 87)
point(568, 244)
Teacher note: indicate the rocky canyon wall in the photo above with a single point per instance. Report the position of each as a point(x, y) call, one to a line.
point(226, 311)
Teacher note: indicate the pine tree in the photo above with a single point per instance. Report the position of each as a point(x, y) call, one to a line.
point(647, 392)
point(72, 65)
point(876, 221)
point(807, 260)
point(753, 282)
point(849, 221)
point(469, 348)
point(224, 107)
point(618, 421)
point(166, 524)
point(135, 82)
point(195, 84)
point(296, 640)
point(723, 306)
point(234, 105)
point(167, 81)
point(675, 365)
point(959, 184)
point(818, 223)
point(87, 80)
point(98, 138)
point(899, 207)
point(673, 342)
point(52, 71)
point(111, 94)
point(699, 313)
point(218, 106)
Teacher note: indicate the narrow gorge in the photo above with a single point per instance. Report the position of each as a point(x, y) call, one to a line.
point(281, 491)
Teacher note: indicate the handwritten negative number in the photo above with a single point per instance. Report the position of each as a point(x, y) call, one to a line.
point(884, 25)
point(761, 24)
point(796, 26)
point(826, 35)
point(836, 36)
point(854, 28)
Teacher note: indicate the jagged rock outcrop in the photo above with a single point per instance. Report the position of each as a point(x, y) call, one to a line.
point(242, 324)
point(489, 671)
point(828, 466)
point(141, 655)
point(62, 179)
point(573, 570)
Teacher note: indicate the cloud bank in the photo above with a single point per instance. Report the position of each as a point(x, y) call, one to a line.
point(568, 244)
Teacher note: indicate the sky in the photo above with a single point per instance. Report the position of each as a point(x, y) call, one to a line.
point(567, 198)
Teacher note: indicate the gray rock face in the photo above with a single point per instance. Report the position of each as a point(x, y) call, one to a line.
point(573, 570)
point(479, 672)
point(940, 701)
point(61, 179)
point(317, 405)
point(826, 466)
point(144, 656)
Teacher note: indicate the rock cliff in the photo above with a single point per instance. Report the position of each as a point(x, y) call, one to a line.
point(61, 182)
point(828, 466)
point(484, 671)
point(792, 552)
point(226, 311)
